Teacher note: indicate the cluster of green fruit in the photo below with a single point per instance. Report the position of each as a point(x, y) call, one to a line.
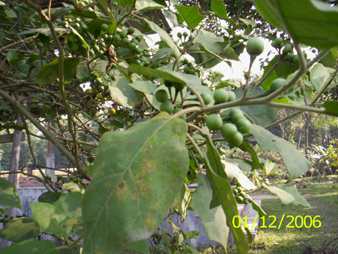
point(231, 123)
point(286, 50)
point(127, 43)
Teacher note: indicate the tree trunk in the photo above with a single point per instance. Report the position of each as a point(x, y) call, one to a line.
point(15, 159)
point(50, 161)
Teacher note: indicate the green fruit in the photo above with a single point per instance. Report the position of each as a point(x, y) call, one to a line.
point(236, 114)
point(220, 96)
point(167, 106)
point(244, 125)
point(161, 95)
point(178, 86)
point(236, 139)
point(228, 130)
point(277, 43)
point(287, 49)
point(207, 98)
point(277, 83)
point(231, 96)
point(214, 122)
point(255, 46)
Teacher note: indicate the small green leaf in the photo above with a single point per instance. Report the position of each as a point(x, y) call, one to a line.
point(123, 94)
point(218, 7)
point(50, 72)
point(294, 160)
point(135, 174)
point(288, 195)
point(8, 195)
point(190, 14)
point(142, 5)
point(60, 218)
point(31, 247)
point(191, 81)
point(20, 229)
point(319, 75)
point(164, 36)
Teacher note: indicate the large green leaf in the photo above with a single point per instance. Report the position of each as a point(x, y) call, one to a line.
point(191, 14)
point(311, 22)
point(137, 177)
point(60, 218)
point(294, 160)
point(8, 195)
point(223, 195)
point(31, 247)
point(164, 36)
point(20, 229)
point(214, 219)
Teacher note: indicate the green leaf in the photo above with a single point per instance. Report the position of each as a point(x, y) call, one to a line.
point(122, 93)
point(20, 229)
point(319, 75)
point(233, 171)
point(31, 247)
point(136, 178)
point(50, 72)
point(218, 7)
point(147, 5)
point(164, 36)
point(49, 197)
point(311, 22)
point(294, 160)
point(223, 195)
point(8, 195)
point(331, 108)
point(214, 219)
point(191, 81)
point(277, 68)
point(190, 14)
point(61, 217)
point(288, 195)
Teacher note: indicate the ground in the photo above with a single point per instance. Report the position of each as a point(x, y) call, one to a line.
point(322, 194)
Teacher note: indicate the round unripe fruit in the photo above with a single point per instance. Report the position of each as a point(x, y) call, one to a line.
point(214, 122)
point(231, 96)
point(277, 43)
point(161, 95)
point(244, 125)
point(287, 49)
point(167, 106)
point(236, 114)
point(228, 130)
point(277, 83)
point(220, 96)
point(255, 46)
point(236, 139)
point(207, 98)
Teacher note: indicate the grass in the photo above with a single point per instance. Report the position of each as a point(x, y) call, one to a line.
point(323, 197)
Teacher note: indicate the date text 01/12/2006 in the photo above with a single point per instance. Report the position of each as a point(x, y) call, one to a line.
point(287, 221)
